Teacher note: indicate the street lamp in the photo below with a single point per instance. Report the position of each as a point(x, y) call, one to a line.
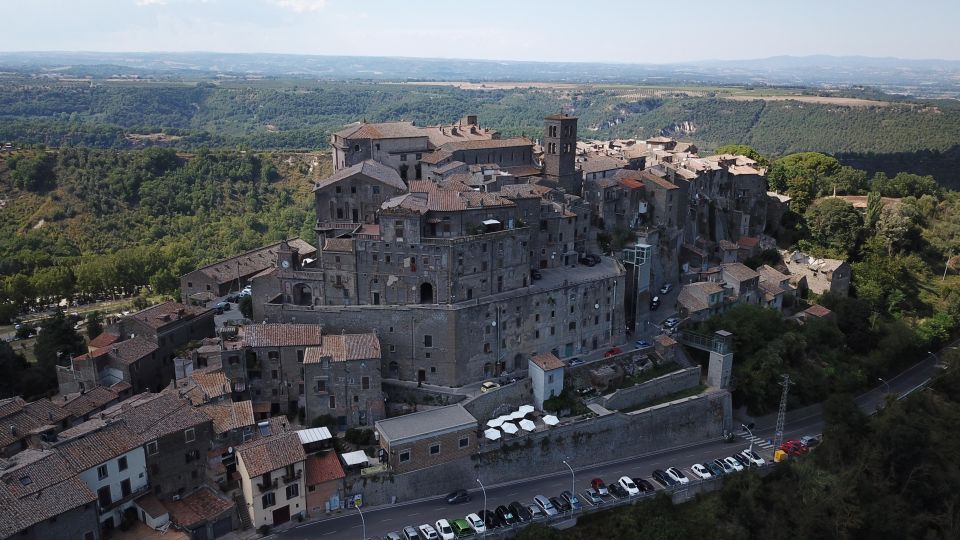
point(885, 383)
point(573, 483)
point(484, 518)
point(744, 426)
point(356, 504)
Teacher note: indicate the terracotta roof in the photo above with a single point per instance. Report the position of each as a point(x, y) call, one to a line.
point(522, 170)
point(281, 335)
point(524, 191)
point(129, 351)
point(204, 385)
point(446, 200)
point(338, 244)
point(599, 163)
point(630, 183)
point(150, 504)
point(227, 415)
point(261, 407)
point(547, 361)
point(370, 229)
point(12, 405)
point(103, 340)
point(37, 485)
point(201, 506)
point(664, 340)
point(727, 245)
point(771, 290)
point(649, 178)
point(771, 274)
point(483, 144)
point(449, 167)
point(251, 262)
point(271, 453)
point(371, 169)
point(19, 418)
point(436, 157)
point(323, 468)
point(382, 130)
point(161, 315)
point(344, 347)
point(818, 311)
point(748, 241)
point(152, 416)
point(80, 405)
point(738, 271)
point(95, 441)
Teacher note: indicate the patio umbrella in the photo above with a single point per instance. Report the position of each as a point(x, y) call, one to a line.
point(527, 425)
point(495, 422)
point(551, 420)
point(526, 409)
point(492, 434)
point(517, 415)
point(509, 428)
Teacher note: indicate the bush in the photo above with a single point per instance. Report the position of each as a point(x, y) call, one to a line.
point(264, 530)
point(325, 420)
point(360, 437)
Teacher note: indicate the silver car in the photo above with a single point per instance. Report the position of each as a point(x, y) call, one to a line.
point(545, 505)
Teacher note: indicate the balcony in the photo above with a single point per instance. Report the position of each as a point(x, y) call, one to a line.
point(292, 477)
point(264, 487)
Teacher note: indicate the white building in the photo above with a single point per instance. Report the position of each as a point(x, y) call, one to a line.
point(546, 374)
point(272, 477)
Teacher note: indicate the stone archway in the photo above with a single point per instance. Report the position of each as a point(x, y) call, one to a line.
point(426, 293)
point(302, 294)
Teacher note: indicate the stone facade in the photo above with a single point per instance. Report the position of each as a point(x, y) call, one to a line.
point(427, 439)
point(343, 380)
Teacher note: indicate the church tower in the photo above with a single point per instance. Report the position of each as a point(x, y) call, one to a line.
point(560, 152)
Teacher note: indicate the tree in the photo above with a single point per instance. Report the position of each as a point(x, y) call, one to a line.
point(94, 324)
point(835, 224)
point(57, 341)
point(12, 366)
point(874, 207)
point(246, 306)
point(164, 282)
point(744, 150)
point(894, 227)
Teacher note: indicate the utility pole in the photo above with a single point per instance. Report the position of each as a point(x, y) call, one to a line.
point(782, 415)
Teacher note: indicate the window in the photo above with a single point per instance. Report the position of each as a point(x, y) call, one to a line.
point(122, 463)
point(404, 456)
point(102, 472)
point(293, 490)
point(321, 385)
point(393, 348)
point(428, 341)
point(550, 378)
point(300, 356)
point(403, 157)
point(273, 374)
point(353, 189)
point(189, 284)
point(464, 442)
point(189, 435)
point(338, 189)
point(268, 500)
point(487, 348)
point(125, 488)
point(419, 156)
point(434, 449)
point(88, 535)
point(356, 148)
point(333, 402)
point(365, 383)
point(376, 190)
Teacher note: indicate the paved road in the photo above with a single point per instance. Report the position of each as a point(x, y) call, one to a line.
point(381, 520)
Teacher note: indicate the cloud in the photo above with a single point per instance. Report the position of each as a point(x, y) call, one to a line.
point(300, 6)
point(145, 3)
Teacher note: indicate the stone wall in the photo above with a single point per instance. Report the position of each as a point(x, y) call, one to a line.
point(406, 392)
point(595, 440)
point(653, 389)
point(500, 401)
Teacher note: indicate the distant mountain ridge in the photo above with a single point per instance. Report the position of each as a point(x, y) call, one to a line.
point(931, 77)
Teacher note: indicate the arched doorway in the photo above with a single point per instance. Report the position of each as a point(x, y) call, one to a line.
point(517, 361)
point(302, 294)
point(394, 370)
point(426, 293)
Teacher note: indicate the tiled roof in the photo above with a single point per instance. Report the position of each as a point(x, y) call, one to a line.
point(547, 361)
point(19, 418)
point(522, 170)
point(630, 183)
point(436, 157)
point(204, 385)
point(817, 311)
point(323, 468)
point(150, 504)
point(599, 163)
point(690, 301)
point(129, 351)
point(770, 290)
point(227, 415)
point(664, 340)
point(343, 347)
point(45, 497)
point(161, 315)
point(201, 506)
point(252, 262)
point(370, 229)
point(738, 271)
point(382, 130)
point(152, 416)
point(271, 453)
point(338, 244)
point(95, 442)
point(524, 191)
point(748, 241)
point(281, 335)
point(771, 274)
point(12, 405)
point(484, 144)
point(103, 340)
point(649, 178)
point(448, 167)
point(446, 200)
point(80, 405)
point(369, 168)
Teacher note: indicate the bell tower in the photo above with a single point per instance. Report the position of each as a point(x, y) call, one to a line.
point(286, 256)
point(560, 152)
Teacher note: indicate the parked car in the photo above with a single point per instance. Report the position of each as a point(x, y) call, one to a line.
point(802, 448)
point(664, 479)
point(535, 511)
point(233, 297)
point(575, 361)
point(488, 386)
point(535, 274)
point(445, 530)
point(520, 511)
point(572, 500)
point(752, 457)
point(476, 523)
point(220, 307)
point(409, 533)
point(428, 532)
point(545, 505)
point(793, 448)
point(598, 485)
point(592, 496)
point(715, 470)
point(733, 463)
point(810, 440)
point(642, 344)
point(618, 491)
point(461, 527)
point(654, 303)
point(700, 471)
point(505, 516)
point(612, 352)
point(560, 504)
point(489, 518)
point(744, 462)
point(627, 483)
point(393, 535)
point(727, 468)
point(672, 322)
point(678, 475)
point(587, 261)
point(667, 287)
point(458, 496)
point(644, 485)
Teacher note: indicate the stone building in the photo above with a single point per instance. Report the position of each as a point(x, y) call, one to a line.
point(272, 478)
point(343, 379)
point(273, 355)
point(560, 153)
point(820, 276)
point(353, 195)
point(428, 438)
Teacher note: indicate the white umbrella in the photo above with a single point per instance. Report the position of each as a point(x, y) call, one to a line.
point(517, 415)
point(509, 428)
point(526, 409)
point(527, 425)
point(495, 422)
point(492, 434)
point(551, 420)
point(505, 418)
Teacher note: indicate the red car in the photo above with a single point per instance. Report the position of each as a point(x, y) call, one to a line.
point(599, 486)
point(793, 448)
point(802, 447)
point(612, 352)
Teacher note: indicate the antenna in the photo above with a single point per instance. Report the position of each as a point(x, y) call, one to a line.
point(782, 414)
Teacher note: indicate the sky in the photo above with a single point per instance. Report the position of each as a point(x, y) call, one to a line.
point(548, 30)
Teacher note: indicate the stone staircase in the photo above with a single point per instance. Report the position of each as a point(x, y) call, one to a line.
point(241, 506)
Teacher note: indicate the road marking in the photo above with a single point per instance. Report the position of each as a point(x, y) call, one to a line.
point(329, 533)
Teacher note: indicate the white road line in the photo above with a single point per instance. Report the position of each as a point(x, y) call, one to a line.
point(329, 533)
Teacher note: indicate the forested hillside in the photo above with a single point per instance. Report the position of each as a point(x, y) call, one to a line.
point(81, 221)
point(301, 115)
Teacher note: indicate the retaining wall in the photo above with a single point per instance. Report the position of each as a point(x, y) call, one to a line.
point(502, 400)
point(657, 388)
